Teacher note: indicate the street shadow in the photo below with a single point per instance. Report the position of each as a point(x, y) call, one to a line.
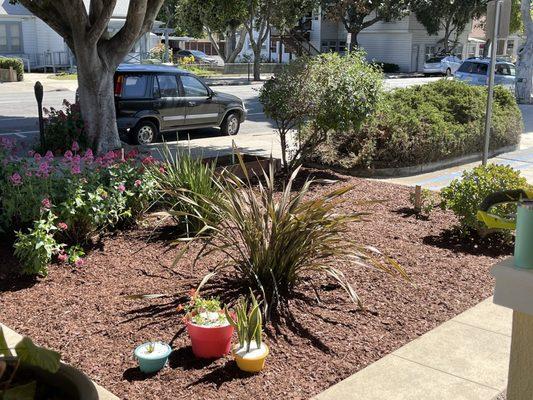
point(493, 245)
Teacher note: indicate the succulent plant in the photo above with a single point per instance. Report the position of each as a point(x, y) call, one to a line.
point(247, 321)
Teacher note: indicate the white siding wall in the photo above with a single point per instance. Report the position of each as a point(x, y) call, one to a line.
point(29, 35)
point(390, 47)
point(48, 39)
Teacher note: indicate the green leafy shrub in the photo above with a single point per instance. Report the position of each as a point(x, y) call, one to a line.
point(158, 52)
point(16, 63)
point(247, 322)
point(332, 94)
point(62, 128)
point(273, 242)
point(36, 247)
point(423, 124)
point(186, 188)
point(464, 196)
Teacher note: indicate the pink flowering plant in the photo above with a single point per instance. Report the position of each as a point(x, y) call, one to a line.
point(63, 127)
point(78, 195)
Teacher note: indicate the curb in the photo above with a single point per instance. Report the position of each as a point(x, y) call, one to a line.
point(401, 172)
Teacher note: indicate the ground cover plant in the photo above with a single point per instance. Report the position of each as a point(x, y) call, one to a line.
point(422, 124)
point(314, 342)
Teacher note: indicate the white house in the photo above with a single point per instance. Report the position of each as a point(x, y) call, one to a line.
point(25, 36)
point(404, 42)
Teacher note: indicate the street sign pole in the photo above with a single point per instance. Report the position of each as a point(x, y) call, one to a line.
point(490, 95)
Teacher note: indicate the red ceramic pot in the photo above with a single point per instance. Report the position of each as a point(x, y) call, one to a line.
point(210, 342)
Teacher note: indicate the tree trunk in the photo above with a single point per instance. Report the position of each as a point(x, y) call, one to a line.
point(524, 66)
point(238, 47)
point(257, 61)
point(354, 44)
point(231, 42)
point(97, 102)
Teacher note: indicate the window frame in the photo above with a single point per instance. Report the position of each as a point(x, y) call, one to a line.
point(182, 86)
point(9, 45)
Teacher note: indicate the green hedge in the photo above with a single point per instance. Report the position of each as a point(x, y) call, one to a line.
point(423, 124)
point(16, 63)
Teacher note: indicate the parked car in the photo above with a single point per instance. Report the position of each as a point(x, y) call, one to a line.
point(199, 56)
point(442, 65)
point(475, 71)
point(151, 99)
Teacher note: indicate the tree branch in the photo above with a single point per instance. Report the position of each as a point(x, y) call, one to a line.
point(51, 17)
point(99, 15)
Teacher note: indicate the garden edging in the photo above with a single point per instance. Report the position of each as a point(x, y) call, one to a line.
point(414, 169)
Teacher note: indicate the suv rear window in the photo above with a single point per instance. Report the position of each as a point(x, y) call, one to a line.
point(476, 68)
point(134, 86)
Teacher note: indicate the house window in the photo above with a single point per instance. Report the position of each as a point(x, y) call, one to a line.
point(10, 37)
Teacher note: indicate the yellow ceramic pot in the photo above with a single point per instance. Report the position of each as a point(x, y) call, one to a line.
point(250, 364)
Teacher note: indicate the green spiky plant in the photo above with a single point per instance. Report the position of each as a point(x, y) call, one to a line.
point(247, 322)
point(273, 242)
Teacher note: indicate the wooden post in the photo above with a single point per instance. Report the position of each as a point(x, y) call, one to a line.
point(520, 385)
point(418, 198)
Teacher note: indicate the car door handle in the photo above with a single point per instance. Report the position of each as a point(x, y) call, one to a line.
point(192, 103)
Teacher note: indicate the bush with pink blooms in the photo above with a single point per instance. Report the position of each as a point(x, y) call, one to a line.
point(58, 204)
point(63, 127)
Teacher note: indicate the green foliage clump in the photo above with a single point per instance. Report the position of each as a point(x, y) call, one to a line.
point(247, 321)
point(464, 196)
point(16, 63)
point(388, 68)
point(423, 124)
point(330, 93)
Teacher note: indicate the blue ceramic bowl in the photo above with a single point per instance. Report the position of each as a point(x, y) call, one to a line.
point(152, 362)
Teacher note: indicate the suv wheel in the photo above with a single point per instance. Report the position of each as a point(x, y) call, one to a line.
point(231, 124)
point(145, 132)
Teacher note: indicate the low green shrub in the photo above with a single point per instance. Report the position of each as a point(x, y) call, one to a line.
point(62, 128)
point(423, 124)
point(16, 63)
point(464, 196)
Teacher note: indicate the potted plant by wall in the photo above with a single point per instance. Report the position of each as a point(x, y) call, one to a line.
point(208, 327)
point(29, 372)
point(152, 356)
point(251, 352)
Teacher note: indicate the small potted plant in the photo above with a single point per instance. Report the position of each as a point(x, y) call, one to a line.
point(152, 356)
point(251, 352)
point(208, 327)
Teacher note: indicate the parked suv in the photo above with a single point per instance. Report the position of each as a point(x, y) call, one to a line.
point(150, 99)
point(475, 71)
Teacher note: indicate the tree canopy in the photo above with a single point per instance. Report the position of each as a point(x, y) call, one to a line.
point(357, 15)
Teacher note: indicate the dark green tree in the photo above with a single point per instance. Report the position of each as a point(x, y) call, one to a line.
point(357, 15)
point(448, 16)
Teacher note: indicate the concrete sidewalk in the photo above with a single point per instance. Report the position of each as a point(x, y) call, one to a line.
point(465, 358)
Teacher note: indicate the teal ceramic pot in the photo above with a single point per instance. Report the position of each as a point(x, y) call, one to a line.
point(523, 251)
point(152, 361)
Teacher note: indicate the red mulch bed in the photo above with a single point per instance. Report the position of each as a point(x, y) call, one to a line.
point(83, 313)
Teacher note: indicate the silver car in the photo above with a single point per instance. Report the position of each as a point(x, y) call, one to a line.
point(442, 65)
point(475, 71)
